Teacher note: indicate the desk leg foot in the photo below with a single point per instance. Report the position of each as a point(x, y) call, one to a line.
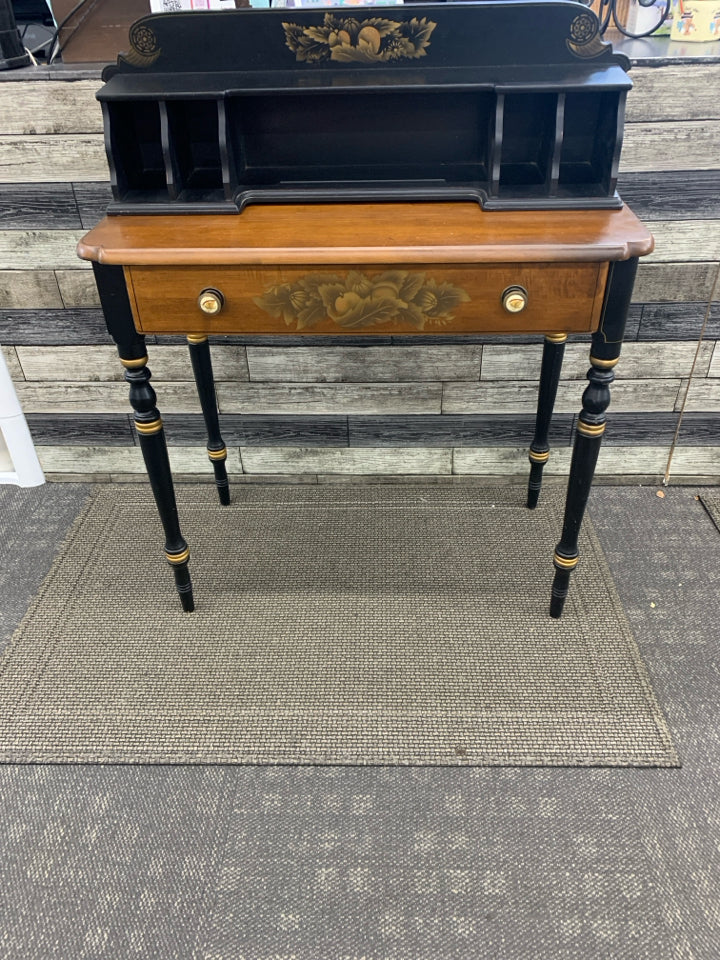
point(590, 430)
point(205, 382)
point(553, 352)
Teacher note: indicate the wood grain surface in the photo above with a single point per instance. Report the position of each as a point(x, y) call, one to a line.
point(561, 298)
point(369, 233)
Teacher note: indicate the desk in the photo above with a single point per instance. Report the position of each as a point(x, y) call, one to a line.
point(370, 269)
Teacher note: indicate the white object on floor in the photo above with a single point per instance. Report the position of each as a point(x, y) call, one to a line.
point(18, 461)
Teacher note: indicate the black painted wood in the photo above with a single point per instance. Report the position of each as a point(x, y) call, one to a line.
point(553, 353)
point(672, 195)
point(678, 321)
point(213, 111)
point(131, 348)
point(604, 353)
point(38, 206)
point(53, 328)
point(204, 380)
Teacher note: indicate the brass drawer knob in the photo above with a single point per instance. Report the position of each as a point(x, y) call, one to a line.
point(515, 299)
point(211, 301)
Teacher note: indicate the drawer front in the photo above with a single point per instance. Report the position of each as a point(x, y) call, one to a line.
point(368, 299)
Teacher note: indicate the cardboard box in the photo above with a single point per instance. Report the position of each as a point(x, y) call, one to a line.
point(98, 32)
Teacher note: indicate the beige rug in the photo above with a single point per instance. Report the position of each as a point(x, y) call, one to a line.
point(711, 502)
point(335, 624)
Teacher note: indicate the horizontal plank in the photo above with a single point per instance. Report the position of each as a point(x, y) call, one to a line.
point(655, 93)
point(38, 206)
point(676, 281)
point(81, 429)
point(348, 461)
point(696, 462)
point(87, 461)
point(521, 396)
point(92, 200)
point(44, 327)
point(58, 159)
point(246, 429)
point(13, 364)
point(27, 289)
point(714, 370)
point(363, 364)
point(54, 107)
point(685, 239)
point(92, 462)
point(44, 397)
point(672, 195)
point(450, 431)
point(638, 361)
point(678, 321)
point(691, 145)
point(700, 429)
point(704, 395)
point(508, 461)
point(77, 288)
point(101, 363)
point(501, 430)
point(331, 398)
point(39, 249)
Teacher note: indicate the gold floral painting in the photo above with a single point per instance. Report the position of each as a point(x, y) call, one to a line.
point(348, 40)
point(358, 300)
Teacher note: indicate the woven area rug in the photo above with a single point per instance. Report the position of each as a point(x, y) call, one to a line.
point(711, 502)
point(335, 624)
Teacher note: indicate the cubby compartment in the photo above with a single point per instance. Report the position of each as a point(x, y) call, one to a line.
point(589, 142)
point(195, 148)
point(135, 132)
point(374, 138)
point(528, 139)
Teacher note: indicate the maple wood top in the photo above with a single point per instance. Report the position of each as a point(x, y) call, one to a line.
point(368, 233)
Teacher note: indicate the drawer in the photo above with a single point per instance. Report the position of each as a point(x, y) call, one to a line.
point(368, 299)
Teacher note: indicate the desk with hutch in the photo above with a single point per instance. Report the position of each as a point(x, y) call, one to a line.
point(404, 170)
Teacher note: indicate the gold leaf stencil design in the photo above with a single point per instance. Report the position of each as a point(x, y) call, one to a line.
point(348, 40)
point(357, 300)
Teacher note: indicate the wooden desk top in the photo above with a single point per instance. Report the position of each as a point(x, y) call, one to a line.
point(368, 233)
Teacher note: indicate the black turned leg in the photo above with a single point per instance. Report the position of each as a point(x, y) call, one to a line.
point(553, 352)
point(604, 355)
point(590, 429)
point(217, 452)
point(131, 347)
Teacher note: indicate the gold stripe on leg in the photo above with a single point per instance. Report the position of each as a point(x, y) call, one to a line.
point(218, 454)
point(556, 337)
point(565, 563)
point(539, 457)
point(196, 337)
point(178, 557)
point(604, 364)
point(134, 364)
point(591, 429)
point(147, 429)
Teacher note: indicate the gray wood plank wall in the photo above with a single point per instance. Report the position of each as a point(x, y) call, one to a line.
point(433, 406)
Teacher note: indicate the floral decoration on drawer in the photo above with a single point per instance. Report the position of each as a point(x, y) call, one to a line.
point(357, 300)
point(347, 40)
